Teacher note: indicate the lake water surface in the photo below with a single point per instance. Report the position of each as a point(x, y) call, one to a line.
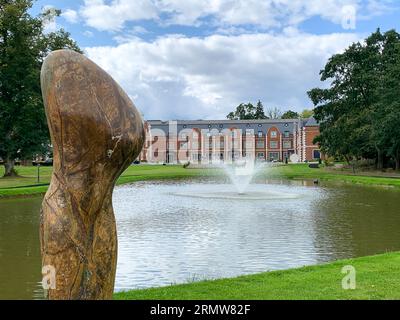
point(167, 233)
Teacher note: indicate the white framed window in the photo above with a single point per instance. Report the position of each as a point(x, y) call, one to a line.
point(287, 144)
point(274, 134)
point(273, 144)
point(273, 156)
point(260, 144)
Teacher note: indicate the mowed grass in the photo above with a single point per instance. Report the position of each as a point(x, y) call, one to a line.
point(27, 183)
point(377, 277)
point(302, 171)
point(27, 177)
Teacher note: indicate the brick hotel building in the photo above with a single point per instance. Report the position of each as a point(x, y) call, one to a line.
point(209, 141)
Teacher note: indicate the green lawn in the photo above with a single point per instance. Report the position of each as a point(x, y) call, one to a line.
point(302, 171)
point(377, 277)
point(27, 183)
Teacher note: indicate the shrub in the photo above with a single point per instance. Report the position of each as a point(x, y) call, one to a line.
point(329, 161)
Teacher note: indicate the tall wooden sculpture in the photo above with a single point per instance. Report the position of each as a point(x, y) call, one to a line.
point(96, 133)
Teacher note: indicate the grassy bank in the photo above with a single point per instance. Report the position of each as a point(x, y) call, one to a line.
point(27, 184)
point(302, 171)
point(377, 277)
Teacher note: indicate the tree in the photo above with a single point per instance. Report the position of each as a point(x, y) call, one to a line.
point(274, 113)
point(356, 113)
point(259, 113)
point(290, 115)
point(307, 113)
point(23, 46)
point(386, 125)
point(247, 112)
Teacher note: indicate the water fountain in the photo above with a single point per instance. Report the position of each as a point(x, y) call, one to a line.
point(240, 174)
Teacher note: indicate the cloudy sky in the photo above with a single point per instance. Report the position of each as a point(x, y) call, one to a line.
point(181, 59)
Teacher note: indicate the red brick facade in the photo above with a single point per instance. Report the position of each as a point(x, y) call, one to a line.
point(208, 141)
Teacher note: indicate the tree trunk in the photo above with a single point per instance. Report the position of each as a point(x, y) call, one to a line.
point(397, 160)
point(347, 160)
point(379, 163)
point(9, 168)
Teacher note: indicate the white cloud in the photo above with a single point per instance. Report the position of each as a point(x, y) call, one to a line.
point(181, 77)
point(70, 15)
point(139, 30)
point(130, 35)
point(377, 8)
point(264, 14)
point(112, 17)
point(88, 34)
point(49, 22)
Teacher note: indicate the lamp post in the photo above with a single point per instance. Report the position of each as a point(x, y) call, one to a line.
point(38, 172)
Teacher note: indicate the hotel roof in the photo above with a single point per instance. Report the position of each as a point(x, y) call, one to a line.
point(228, 121)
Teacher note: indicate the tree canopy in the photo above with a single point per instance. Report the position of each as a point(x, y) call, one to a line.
point(23, 46)
point(358, 112)
point(307, 113)
point(248, 112)
point(290, 115)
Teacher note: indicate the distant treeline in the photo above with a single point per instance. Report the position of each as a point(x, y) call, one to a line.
point(248, 111)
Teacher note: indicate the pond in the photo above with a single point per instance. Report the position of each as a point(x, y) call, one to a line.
point(177, 232)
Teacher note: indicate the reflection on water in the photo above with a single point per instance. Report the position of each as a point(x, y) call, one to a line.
point(166, 238)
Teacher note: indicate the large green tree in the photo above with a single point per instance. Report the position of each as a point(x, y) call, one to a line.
point(23, 46)
point(355, 112)
point(386, 127)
